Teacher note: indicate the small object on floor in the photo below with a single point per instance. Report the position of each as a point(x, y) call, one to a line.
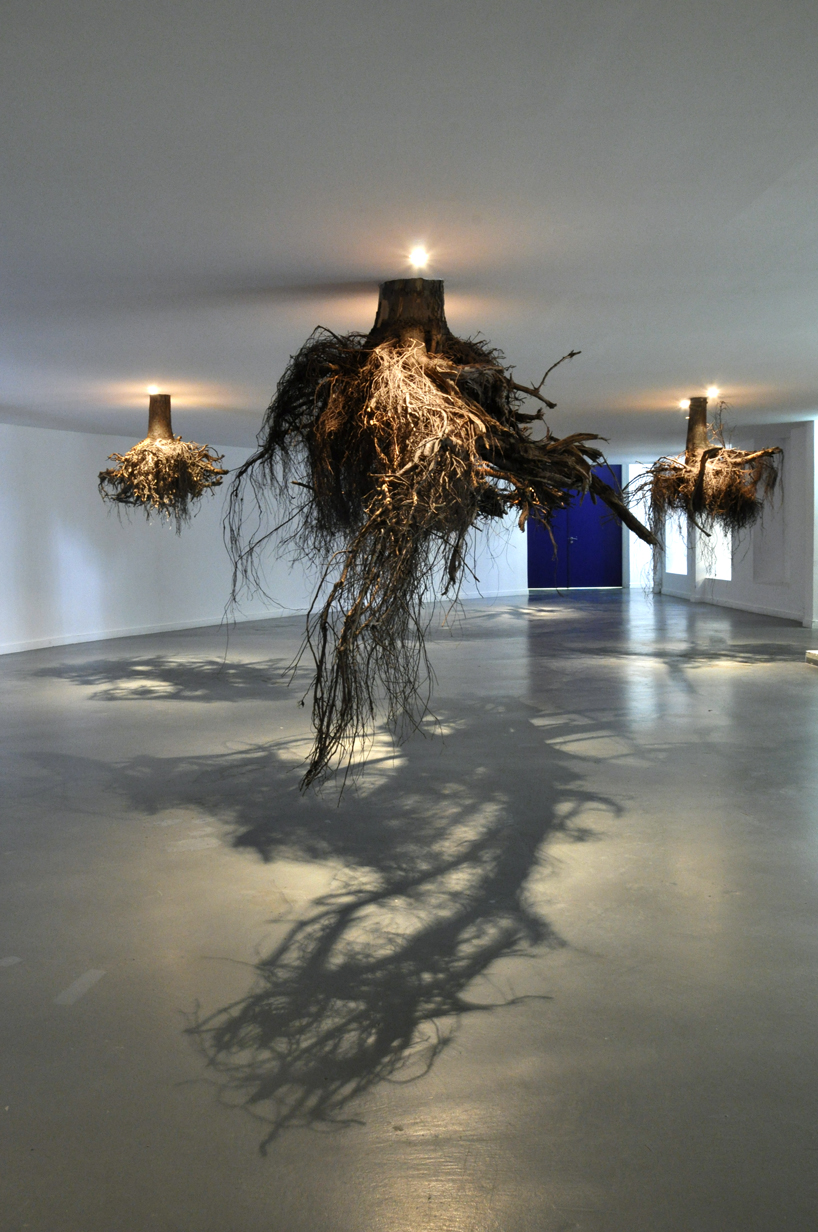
point(79, 988)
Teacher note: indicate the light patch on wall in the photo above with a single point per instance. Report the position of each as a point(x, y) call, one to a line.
point(717, 555)
point(640, 555)
point(770, 546)
point(676, 546)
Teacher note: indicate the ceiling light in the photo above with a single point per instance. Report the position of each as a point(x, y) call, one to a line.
point(684, 405)
point(712, 391)
point(153, 389)
point(418, 257)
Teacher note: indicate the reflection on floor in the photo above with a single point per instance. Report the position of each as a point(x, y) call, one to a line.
point(550, 966)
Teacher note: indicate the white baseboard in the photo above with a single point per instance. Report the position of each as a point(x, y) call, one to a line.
point(672, 593)
point(756, 608)
point(75, 639)
point(495, 594)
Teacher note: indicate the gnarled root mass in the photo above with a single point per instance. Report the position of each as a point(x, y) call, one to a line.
point(720, 486)
point(164, 476)
point(396, 452)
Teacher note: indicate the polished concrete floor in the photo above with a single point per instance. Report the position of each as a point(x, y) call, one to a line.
point(553, 966)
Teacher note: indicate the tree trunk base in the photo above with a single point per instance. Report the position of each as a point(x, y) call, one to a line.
point(410, 311)
point(696, 430)
point(159, 428)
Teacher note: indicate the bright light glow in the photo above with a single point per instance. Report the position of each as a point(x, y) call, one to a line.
point(418, 257)
point(712, 391)
point(153, 389)
point(684, 405)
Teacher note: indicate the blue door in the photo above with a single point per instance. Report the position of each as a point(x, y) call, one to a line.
point(588, 542)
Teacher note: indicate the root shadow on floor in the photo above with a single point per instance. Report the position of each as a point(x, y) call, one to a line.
point(433, 853)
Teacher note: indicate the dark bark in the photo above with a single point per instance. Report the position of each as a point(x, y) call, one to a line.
point(159, 428)
point(618, 507)
point(410, 310)
point(696, 430)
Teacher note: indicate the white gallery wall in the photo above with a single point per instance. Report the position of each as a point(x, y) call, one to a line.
point(497, 561)
point(73, 570)
point(637, 556)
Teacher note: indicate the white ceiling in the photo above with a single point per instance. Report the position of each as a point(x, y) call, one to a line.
point(634, 178)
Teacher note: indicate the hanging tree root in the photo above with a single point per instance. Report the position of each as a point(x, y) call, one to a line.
point(726, 487)
point(162, 473)
point(163, 476)
point(397, 444)
point(710, 484)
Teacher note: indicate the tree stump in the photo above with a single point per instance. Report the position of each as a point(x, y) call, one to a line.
point(696, 430)
point(410, 312)
point(159, 428)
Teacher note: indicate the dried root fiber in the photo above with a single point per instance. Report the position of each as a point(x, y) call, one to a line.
point(396, 444)
point(162, 473)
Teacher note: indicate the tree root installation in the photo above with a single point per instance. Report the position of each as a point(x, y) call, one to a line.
point(710, 484)
point(162, 473)
point(396, 444)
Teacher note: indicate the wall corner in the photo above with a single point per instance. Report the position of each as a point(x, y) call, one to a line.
point(811, 545)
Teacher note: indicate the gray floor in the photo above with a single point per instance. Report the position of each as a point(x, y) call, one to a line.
point(552, 967)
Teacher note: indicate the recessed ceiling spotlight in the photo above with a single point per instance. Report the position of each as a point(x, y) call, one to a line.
point(712, 391)
point(684, 405)
point(419, 257)
point(153, 389)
